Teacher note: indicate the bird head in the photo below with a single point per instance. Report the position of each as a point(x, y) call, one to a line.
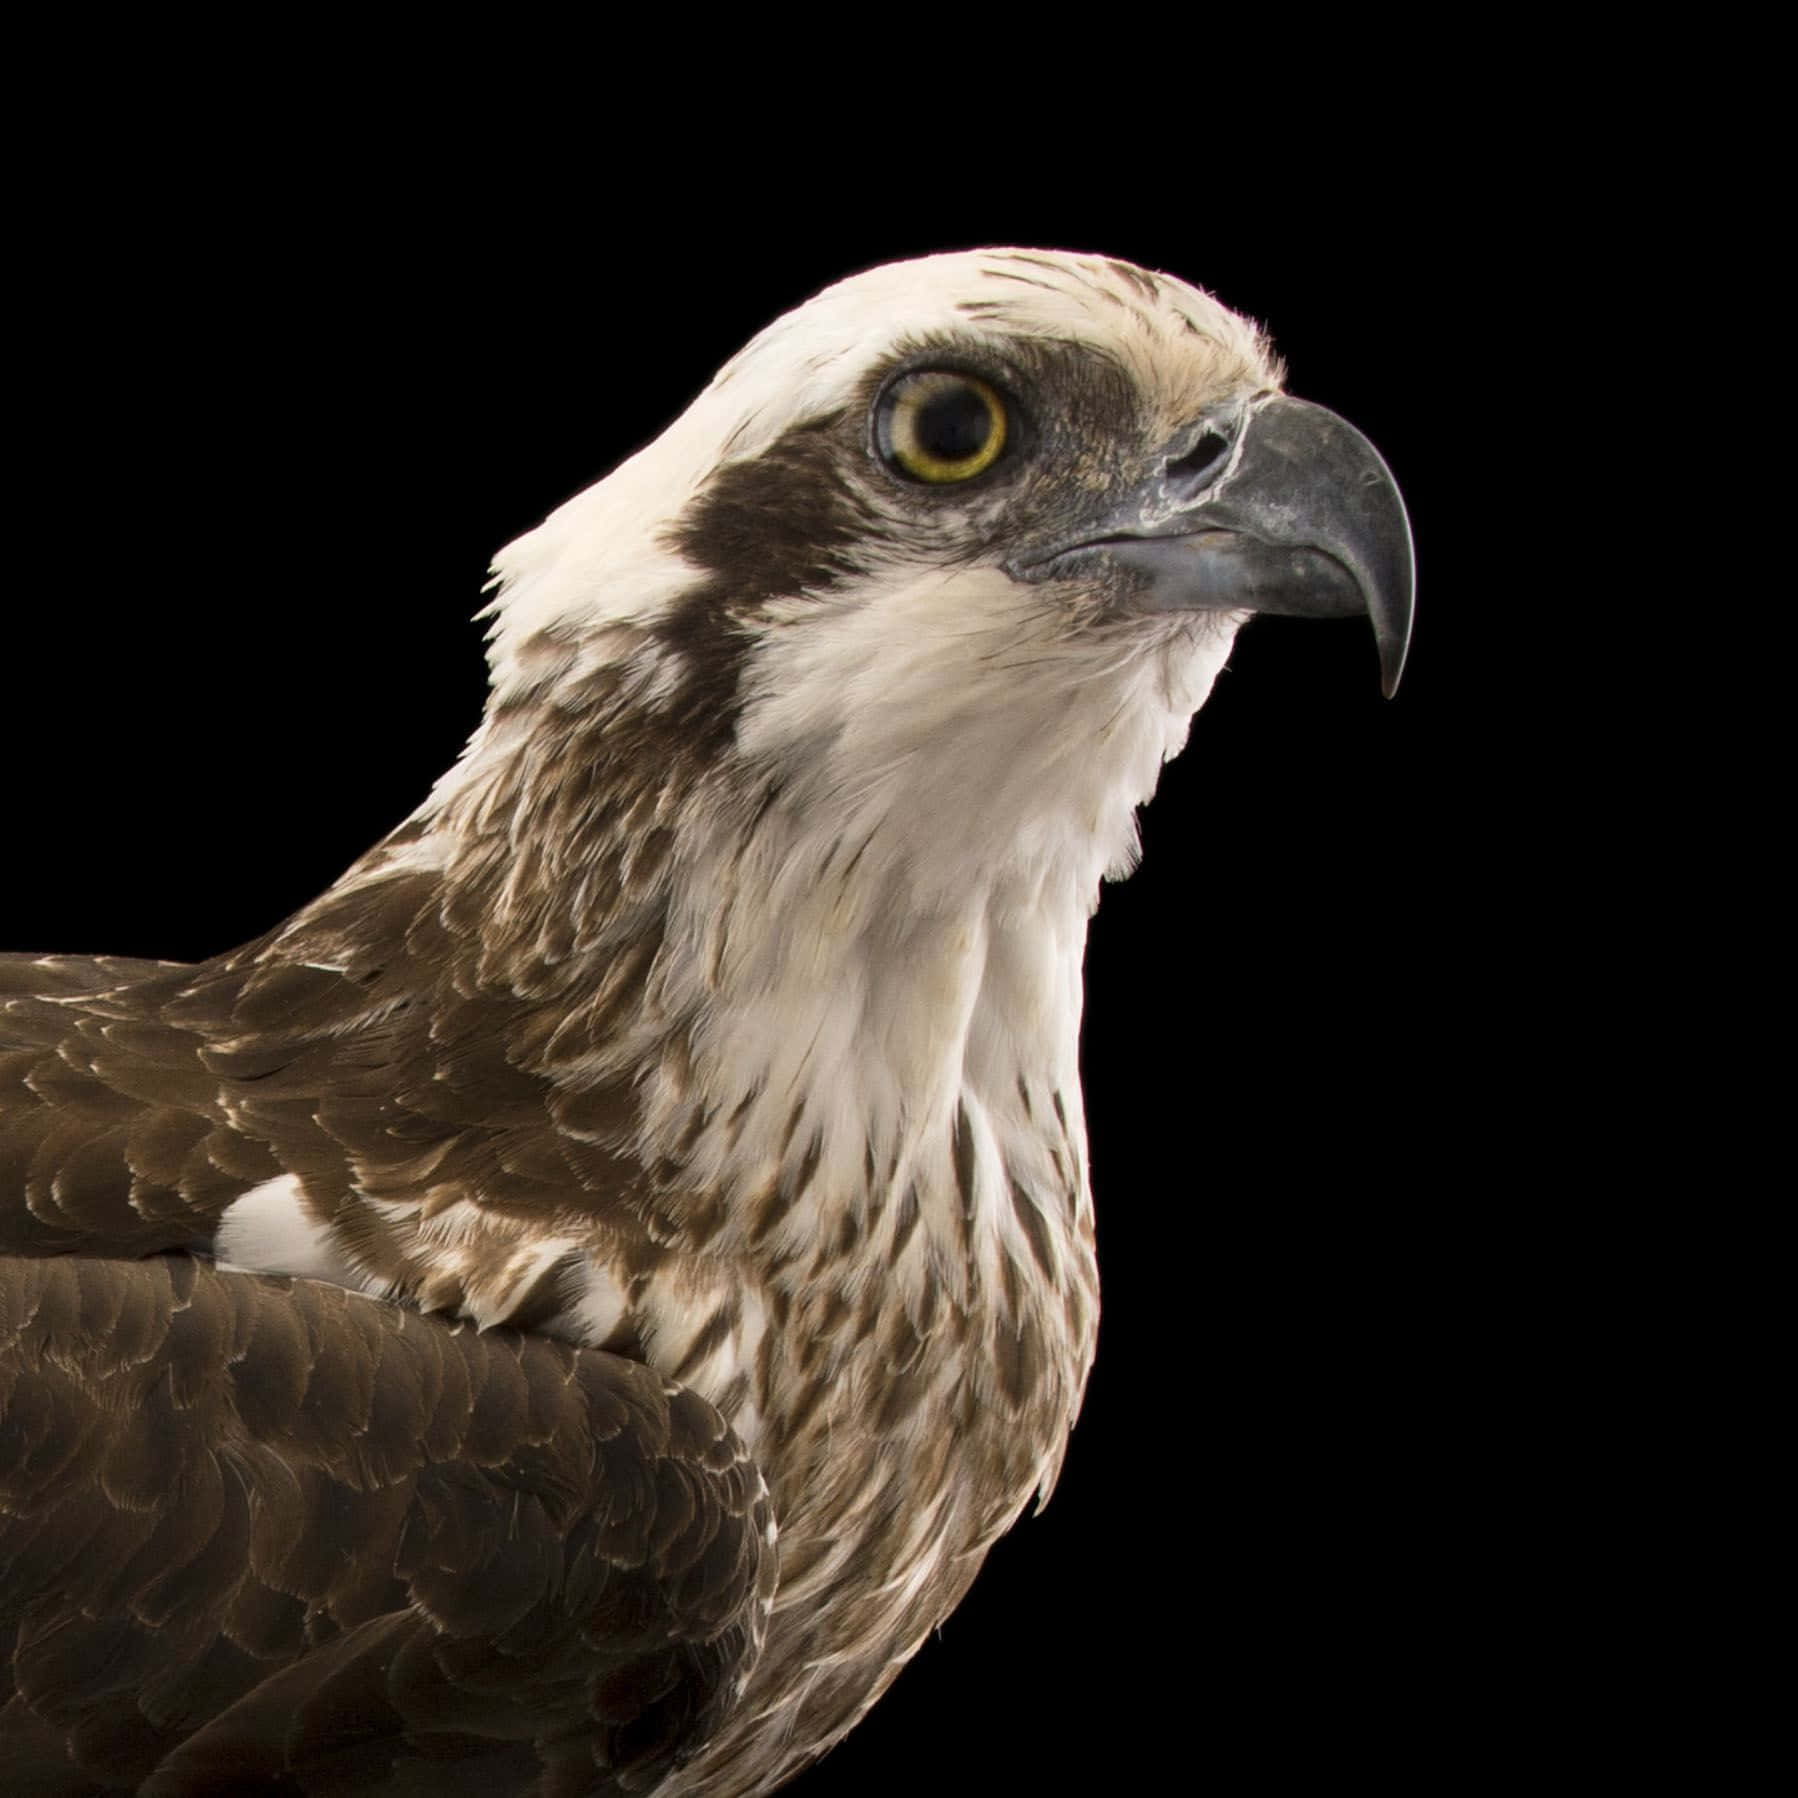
point(928, 533)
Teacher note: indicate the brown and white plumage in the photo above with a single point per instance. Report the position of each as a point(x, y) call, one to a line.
point(718, 1011)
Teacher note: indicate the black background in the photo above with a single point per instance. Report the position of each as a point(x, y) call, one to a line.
point(275, 422)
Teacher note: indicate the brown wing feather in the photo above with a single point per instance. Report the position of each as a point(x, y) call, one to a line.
point(355, 1049)
point(114, 1138)
point(266, 1533)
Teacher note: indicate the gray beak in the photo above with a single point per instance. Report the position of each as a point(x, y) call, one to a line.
point(1297, 514)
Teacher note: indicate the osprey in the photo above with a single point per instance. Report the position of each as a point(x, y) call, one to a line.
point(570, 1309)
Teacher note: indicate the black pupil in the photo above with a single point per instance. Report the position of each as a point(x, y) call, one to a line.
point(953, 424)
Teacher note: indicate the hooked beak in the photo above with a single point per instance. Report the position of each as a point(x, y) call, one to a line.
point(1299, 515)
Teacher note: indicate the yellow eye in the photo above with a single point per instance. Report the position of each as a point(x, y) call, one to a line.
point(939, 426)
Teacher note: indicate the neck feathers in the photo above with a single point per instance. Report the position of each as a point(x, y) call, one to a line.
point(831, 966)
point(800, 998)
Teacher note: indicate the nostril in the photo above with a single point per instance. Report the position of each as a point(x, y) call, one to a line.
point(1201, 461)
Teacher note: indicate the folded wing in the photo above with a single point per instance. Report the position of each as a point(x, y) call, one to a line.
point(260, 1532)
